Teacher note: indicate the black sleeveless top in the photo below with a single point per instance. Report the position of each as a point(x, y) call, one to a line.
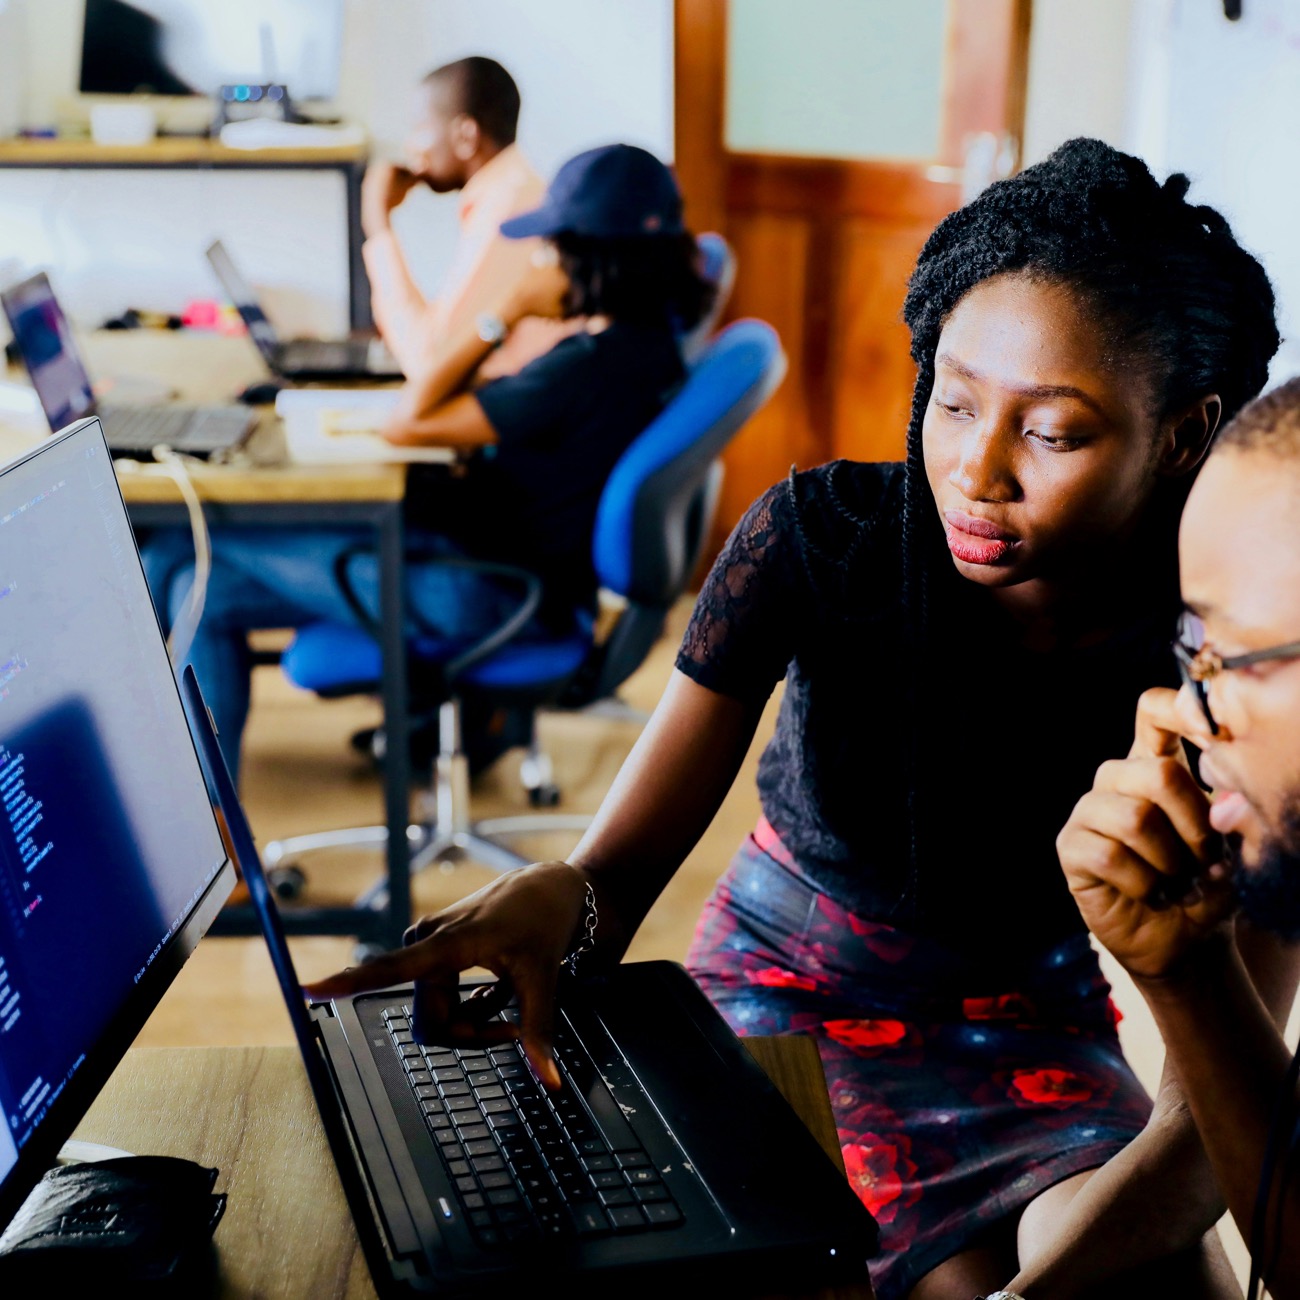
point(999, 741)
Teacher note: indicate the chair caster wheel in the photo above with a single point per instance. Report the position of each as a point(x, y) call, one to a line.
point(544, 796)
point(365, 952)
point(287, 882)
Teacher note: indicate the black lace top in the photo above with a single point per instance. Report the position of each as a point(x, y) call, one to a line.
point(810, 588)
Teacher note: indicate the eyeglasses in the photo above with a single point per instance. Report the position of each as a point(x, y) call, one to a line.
point(1199, 666)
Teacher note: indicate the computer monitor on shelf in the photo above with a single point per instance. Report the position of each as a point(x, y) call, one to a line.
point(194, 47)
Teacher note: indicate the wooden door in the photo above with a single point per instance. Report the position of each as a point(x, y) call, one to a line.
point(824, 245)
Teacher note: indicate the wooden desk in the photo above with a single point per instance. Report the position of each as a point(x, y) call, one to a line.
point(192, 152)
point(259, 488)
point(287, 1233)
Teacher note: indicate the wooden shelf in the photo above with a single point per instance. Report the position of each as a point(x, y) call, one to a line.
point(168, 151)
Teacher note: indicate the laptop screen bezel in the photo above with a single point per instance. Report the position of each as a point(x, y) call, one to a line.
point(261, 329)
point(221, 790)
point(104, 1056)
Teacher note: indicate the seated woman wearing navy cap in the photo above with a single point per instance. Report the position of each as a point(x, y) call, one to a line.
point(538, 444)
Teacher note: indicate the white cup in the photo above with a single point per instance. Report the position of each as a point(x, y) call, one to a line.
point(123, 123)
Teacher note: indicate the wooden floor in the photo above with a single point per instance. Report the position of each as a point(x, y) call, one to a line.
point(300, 775)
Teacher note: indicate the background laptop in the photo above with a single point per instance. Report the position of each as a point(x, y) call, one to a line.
point(667, 1158)
point(45, 343)
point(111, 863)
point(300, 358)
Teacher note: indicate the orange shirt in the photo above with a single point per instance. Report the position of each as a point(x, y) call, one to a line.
point(484, 266)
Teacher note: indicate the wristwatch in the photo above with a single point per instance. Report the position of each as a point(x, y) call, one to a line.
point(492, 329)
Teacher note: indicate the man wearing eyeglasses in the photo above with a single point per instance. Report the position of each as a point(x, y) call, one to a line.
point(1194, 886)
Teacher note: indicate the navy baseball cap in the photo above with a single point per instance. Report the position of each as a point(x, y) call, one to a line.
point(613, 192)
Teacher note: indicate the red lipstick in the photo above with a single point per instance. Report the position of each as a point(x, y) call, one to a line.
point(976, 541)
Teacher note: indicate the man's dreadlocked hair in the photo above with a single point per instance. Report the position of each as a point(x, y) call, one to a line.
point(1168, 282)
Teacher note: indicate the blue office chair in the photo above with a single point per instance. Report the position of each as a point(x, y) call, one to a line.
point(652, 521)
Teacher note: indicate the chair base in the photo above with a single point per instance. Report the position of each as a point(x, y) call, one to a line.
point(479, 842)
point(447, 835)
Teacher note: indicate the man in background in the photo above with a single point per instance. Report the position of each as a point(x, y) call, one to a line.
point(462, 140)
point(1184, 887)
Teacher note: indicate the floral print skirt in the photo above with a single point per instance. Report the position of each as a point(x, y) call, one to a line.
point(953, 1111)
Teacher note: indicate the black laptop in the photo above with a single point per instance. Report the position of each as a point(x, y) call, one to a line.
point(300, 358)
point(45, 343)
point(668, 1158)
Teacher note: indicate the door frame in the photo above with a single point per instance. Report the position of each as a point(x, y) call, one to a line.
point(827, 318)
point(991, 35)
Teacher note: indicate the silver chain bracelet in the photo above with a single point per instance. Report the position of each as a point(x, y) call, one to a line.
point(587, 941)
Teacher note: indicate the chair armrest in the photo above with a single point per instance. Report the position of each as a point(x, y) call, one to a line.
point(510, 627)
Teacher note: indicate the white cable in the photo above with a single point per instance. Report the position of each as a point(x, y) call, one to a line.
point(183, 630)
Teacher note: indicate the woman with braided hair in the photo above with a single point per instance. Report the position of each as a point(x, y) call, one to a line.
point(963, 638)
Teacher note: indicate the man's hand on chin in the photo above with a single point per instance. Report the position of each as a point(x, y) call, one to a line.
point(383, 188)
point(1140, 856)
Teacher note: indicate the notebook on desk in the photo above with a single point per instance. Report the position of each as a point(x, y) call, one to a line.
point(341, 426)
point(63, 385)
point(299, 358)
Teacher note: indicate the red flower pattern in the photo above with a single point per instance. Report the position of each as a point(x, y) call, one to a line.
point(881, 941)
point(773, 977)
point(928, 1109)
point(1006, 1006)
point(1050, 1086)
point(866, 1033)
point(881, 1172)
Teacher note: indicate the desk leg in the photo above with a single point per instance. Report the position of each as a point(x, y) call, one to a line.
point(397, 750)
point(359, 313)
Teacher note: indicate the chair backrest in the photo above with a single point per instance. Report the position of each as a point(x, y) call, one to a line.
point(718, 266)
point(641, 536)
point(657, 506)
point(639, 544)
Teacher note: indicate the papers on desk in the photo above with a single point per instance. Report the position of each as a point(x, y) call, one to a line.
point(265, 133)
point(340, 426)
point(20, 405)
point(22, 422)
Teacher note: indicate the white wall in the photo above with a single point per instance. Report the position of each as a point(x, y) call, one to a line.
point(1078, 73)
point(1176, 83)
point(1220, 101)
point(589, 72)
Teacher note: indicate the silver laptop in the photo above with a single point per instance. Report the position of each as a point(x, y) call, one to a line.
point(45, 343)
point(300, 358)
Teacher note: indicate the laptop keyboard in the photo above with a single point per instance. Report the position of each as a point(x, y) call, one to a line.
point(526, 1164)
point(327, 354)
point(180, 427)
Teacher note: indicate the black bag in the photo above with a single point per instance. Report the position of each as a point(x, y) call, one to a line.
point(141, 1225)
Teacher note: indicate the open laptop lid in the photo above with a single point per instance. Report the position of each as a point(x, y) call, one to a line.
point(221, 789)
point(246, 303)
point(226, 800)
point(48, 350)
point(111, 862)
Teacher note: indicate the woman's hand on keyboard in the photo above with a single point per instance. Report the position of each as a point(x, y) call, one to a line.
point(520, 927)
